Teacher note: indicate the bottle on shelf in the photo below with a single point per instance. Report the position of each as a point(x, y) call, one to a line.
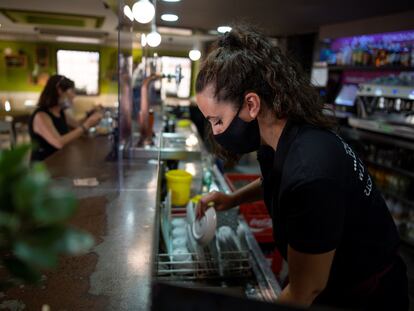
point(412, 56)
point(376, 54)
point(366, 56)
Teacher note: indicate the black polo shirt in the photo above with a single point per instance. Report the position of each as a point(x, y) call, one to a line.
point(321, 198)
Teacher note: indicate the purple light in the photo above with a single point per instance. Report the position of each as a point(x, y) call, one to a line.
point(400, 36)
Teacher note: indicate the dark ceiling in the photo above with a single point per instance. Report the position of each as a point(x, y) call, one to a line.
point(277, 17)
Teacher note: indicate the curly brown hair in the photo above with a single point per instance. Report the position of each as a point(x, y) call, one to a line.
point(244, 60)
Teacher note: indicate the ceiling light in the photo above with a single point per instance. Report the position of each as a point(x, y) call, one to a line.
point(153, 39)
point(128, 13)
point(143, 11)
point(194, 55)
point(175, 31)
point(78, 39)
point(171, 0)
point(223, 29)
point(169, 17)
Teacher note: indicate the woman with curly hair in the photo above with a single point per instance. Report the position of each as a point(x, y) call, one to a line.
point(330, 222)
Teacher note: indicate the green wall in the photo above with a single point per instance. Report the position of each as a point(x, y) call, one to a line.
point(19, 79)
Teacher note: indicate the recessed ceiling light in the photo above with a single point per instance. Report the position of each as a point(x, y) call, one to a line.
point(223, 29)
point(169, 17)
point(78, 39)
point(171, 0)
point(175, 31)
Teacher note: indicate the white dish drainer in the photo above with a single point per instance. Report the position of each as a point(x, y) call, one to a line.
point(206, 262)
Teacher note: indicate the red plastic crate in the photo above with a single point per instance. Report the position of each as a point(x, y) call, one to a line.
point(254, 208)
point(261, 227)
point(256, 214)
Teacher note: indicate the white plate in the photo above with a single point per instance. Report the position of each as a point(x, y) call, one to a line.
point(182, 260)
point(178, 222)
point(179, 242)
point(194, 247)
point(178, 232)
point(204, 229)
point(190, 212)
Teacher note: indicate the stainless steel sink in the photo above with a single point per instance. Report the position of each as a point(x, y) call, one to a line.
point(171, 146)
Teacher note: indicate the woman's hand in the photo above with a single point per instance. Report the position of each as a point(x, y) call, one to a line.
point(219, 200)
point(97, 108)
point(93, 119)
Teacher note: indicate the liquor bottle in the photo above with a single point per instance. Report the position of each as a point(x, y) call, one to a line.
point(405, 56)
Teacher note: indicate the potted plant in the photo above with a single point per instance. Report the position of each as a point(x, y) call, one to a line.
point(33, 220)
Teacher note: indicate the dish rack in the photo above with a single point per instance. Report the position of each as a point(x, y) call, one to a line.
point(212, 266)
point(220, 266)
point(209, 262)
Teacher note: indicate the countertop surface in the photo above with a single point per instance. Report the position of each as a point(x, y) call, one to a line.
point(120, 213)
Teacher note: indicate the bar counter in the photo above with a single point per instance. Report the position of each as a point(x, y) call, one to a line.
point(120, 213)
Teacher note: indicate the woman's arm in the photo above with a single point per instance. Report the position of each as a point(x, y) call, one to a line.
point(71, 121)
point(308, 276)
point(249, 193)
point(74, 123)
point(43, 126)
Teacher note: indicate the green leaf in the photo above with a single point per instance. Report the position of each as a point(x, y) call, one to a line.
point(49, 236)
point(35, 255)
point(22, 270)
point(33, 216)
point(76, 242)
point(58, 206)
point(9, 222)
point(12, 162)
point(29, 191)
point(14, 157)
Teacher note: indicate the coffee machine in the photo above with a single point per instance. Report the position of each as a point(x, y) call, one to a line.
point(386, 105)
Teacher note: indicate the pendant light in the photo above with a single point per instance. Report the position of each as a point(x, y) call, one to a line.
point(153, 38)
point(143, 11)
point(194, 55)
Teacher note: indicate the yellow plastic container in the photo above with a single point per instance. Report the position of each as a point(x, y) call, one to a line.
point(183, 123)
point(179, 182)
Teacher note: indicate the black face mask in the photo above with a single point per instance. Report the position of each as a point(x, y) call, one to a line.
point(240, 136)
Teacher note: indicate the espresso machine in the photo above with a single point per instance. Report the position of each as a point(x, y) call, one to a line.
point(386, 105)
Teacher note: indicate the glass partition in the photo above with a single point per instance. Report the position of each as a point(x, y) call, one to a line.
point(125, 40)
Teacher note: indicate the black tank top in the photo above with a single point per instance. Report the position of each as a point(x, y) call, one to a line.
point(41, 148)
